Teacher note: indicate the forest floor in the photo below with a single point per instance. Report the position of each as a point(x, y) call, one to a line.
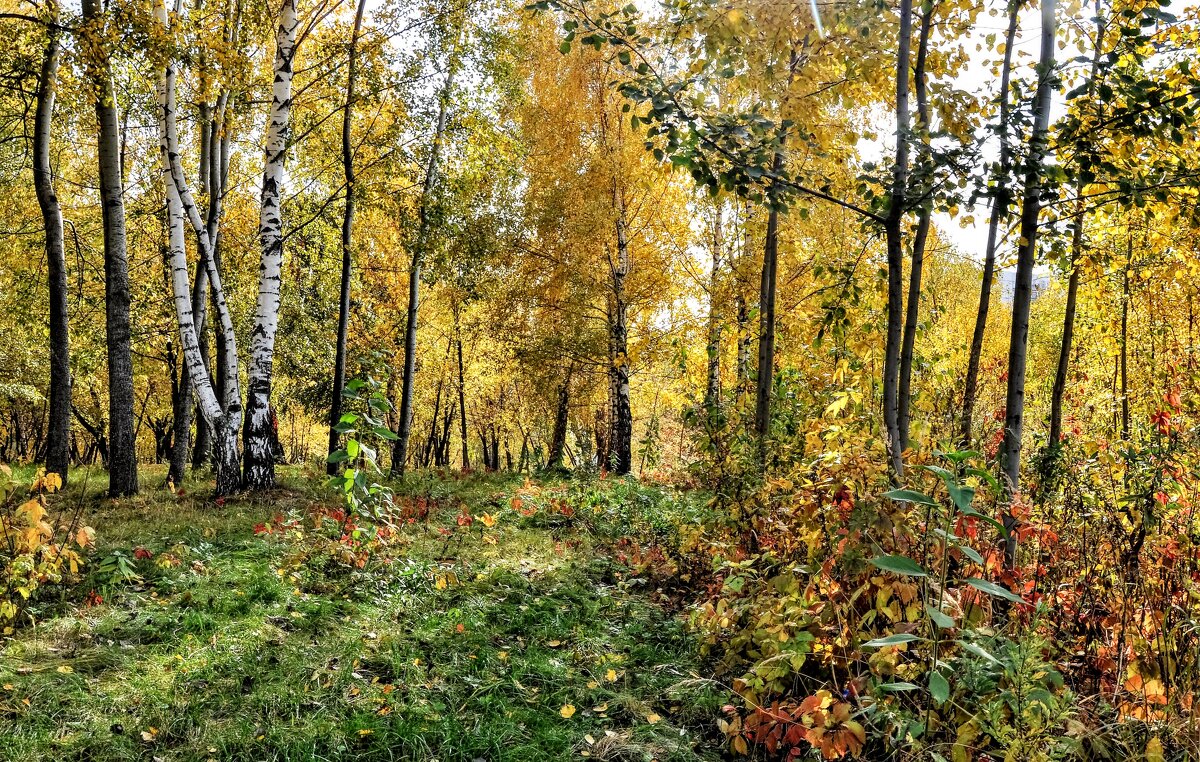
point(224, 632)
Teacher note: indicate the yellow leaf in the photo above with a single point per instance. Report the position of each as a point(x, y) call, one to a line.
point(611, 675)
point(652, 718)
point(365, 732)
point(568, 711)
point(66, 669)
point(1154, 750)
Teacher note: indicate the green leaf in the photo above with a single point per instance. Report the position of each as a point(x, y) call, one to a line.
point(939, 688)
point(961, 495)
point(564, 47)
point(338, 457)
point(939, 618)
point(991, 588)
point(899, 565)
point(978, 651)
point(897, 639)
point(986, 476)
point(898, 687)
point(958, 456)
point(971, 553)
point(383, 432)
point(352, 448)
point(910, 496)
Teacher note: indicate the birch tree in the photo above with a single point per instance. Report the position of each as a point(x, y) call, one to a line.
point(223, 416)
point(259, 423)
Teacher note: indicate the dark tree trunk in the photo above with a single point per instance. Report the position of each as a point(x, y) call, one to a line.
point(1023, 289)
point(181, 423)
point(558, 437)
point(58, 437)
point(620, 456)
point(712, 390)
point(343, 328)
point(122, 447)
point(1000, 203)
point(913, 314)
point(462, 398)
point(1068, 335)
point(766, 318)
point(893, 229)
point(400, 449)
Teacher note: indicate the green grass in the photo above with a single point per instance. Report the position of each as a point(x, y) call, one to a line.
point(241, 653)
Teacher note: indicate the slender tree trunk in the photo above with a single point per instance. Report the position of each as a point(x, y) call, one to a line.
point(766, 317)
point(1068, 334)
point(1000, 203)
point(1125, 344)
point(259, 455)
point(462, 397)
point(712, 391)
point(400, 449)
point(558, 437)
point(893, 230)
point(1023, 290)
point(181, 411)
point(58, 437)
point(122, 445)
point(339, 362)
point(913, 314)
point(743, 340)
point(621, 420)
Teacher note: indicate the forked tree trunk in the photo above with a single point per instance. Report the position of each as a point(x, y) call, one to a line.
point(339, 361)
point(1014, 424)
point(58, 436)
point(122, 444)
point(259, 429)
point(223, 417)
point(999, 214)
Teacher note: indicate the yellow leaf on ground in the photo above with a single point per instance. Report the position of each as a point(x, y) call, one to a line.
point(568, 711)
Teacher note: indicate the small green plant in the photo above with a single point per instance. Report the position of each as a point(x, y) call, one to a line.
point(364, 495)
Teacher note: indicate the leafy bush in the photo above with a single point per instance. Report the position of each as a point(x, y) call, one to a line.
point(36, 549)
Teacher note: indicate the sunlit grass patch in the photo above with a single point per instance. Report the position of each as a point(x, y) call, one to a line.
point(467, 641)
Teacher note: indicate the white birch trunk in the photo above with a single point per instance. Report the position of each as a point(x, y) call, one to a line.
point(259, 426)
point(181, 209)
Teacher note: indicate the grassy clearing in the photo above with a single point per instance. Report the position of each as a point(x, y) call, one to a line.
point(536, 647)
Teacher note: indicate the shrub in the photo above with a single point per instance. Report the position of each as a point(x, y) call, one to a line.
point(36, 549)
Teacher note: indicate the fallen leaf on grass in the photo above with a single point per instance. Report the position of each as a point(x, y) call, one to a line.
point(568, 711)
